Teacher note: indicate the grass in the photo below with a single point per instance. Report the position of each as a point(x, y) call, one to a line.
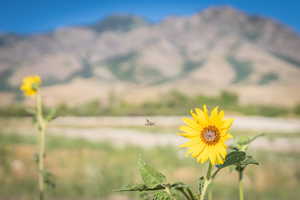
point(87, 170)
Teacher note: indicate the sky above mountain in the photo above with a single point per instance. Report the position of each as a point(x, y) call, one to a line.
point(35, 16)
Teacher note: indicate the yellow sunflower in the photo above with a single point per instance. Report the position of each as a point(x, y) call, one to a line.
point(30, 85)
point(207, 135)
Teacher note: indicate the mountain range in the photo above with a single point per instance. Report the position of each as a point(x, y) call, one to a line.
point(217, 49)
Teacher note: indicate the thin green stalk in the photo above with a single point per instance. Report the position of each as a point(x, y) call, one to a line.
point(208, 175)
point(210, 193)
point(241, 187)
point(41, 129)
point(207, 181)
point(215, 173)
point(203, 192)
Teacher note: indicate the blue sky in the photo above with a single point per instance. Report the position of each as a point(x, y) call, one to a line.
point(35, 16)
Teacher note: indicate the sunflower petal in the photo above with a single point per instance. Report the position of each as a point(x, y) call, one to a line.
point(220, 159)
point(221, 114)
point(190, 123)
point(203, 157)
point(190, 143)
point(188, 135)
point(189, 130)
point(212, 155)
point(203, 118)
point(214, 114)
point(227, 123)
point(205, 111)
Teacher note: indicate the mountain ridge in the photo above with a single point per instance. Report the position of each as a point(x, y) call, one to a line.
point(218, 48)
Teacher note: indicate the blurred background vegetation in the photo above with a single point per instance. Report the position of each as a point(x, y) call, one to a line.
point(173, 103)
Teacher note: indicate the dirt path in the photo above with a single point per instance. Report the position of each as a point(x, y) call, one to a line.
point(147, 140)
point(258, 124)
point(91, 128)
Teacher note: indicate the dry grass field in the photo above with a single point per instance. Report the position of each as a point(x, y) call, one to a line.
point(90, 157)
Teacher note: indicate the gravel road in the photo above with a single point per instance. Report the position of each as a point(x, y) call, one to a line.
point(113, 129)
point(259, 124)
point(146, 140)
point(63, 126)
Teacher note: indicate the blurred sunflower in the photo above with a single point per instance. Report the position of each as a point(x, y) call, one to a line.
point(30, 85)
point(207, 135)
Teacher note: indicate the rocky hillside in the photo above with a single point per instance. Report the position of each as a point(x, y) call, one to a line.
point(216, 49)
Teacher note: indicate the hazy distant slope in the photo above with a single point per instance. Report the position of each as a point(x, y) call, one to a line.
point(215, 49)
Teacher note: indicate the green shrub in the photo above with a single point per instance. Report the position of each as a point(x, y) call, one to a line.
point(263, 110)
point(297, 109)
point(229, 98)
point(14, 110)
point(242, 69)
point(172, 103)
point(268, 78)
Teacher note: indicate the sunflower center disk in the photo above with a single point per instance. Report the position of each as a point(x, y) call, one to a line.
point(210, 135)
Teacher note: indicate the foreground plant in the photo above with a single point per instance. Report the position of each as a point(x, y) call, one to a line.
point(31, 87)
point(242, 144)
point(207, 134)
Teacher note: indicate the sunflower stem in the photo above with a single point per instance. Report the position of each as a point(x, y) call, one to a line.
point(208, 175)
point(207, 181)
point(210, 195)
point(41, 129)
point(241, 187)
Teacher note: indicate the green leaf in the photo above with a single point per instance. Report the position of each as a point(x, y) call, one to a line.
point(135, 187)
point(179, 185)
point(150, 176)
point(249, 161)
point(140, 187)
point(49, 179)
point(35, 86)
point(233, 158)
point(247, 140)
point(184, 189)
point(51, 115)
point(144, 196)
point(161, 195)
point(243, 140)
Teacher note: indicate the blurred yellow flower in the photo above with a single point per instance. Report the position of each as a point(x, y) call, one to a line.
point(30, 85)
point(207, 135)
